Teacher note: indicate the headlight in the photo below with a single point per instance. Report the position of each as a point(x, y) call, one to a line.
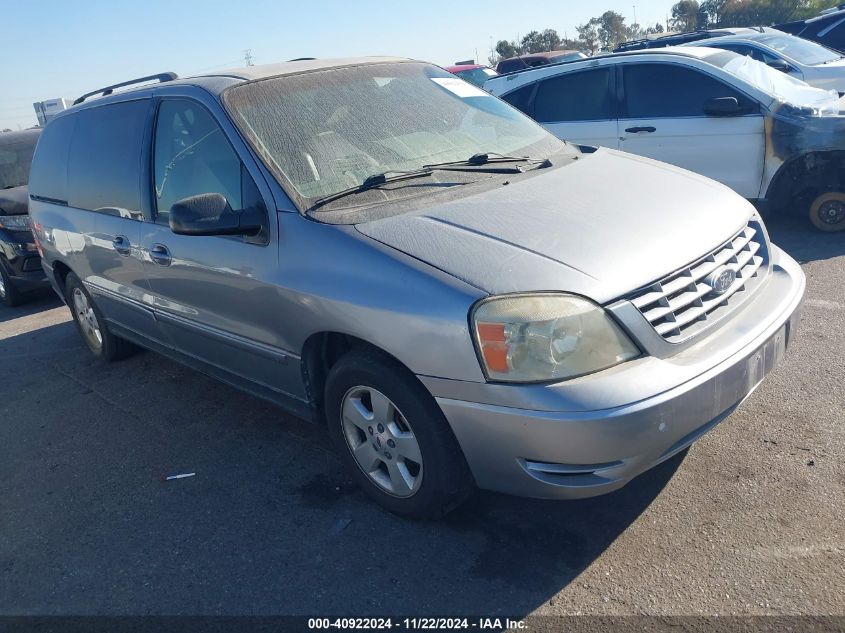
point(546, 337)
point(15, 222)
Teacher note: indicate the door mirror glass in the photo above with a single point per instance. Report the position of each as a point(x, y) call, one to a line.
point(211, 214)
point(779, 64)
point(723, 106)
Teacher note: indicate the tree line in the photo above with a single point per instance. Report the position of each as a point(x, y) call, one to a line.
point(607, 31)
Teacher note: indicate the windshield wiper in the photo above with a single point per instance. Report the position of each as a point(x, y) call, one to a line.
point(373, 182)
point(470, 165)
point(485, 158)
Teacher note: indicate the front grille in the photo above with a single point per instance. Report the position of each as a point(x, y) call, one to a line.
point(682, 304)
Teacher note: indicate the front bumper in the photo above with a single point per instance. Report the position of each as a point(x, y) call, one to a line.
point(25, 272)
point(547, 442)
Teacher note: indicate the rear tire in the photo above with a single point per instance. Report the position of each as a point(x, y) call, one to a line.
point(393, 436)
point(9, 295)
point(827, 212)
point(92, 325)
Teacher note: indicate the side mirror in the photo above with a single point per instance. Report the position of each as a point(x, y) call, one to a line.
point(723, 106)
point(210, 214)
point(779, 64)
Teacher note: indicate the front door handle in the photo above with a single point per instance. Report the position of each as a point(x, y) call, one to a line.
point(121, 244)
point(648, 129)
point(160, 255)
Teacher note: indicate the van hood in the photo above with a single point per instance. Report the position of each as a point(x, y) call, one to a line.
point(602, 226)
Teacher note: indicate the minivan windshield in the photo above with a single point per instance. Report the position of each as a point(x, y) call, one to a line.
point(801, 50)
point(325, 131)
point(15, 160)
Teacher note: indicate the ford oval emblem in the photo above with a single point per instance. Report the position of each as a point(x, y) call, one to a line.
point(721, 279)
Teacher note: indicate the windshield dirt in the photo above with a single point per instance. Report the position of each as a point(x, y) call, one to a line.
point(323, 132)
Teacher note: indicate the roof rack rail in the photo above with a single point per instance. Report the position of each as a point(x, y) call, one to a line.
point(161, 77)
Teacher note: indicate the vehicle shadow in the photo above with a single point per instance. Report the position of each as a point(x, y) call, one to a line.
point(40, 301)
point(803, 241)
point(269, 524)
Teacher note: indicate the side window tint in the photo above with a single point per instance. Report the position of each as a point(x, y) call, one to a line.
point(520, 98)
point(762, 56)
point(48, 177)
point(580, 96)
point(192, 156)
point(104, 163)
point(664, 91)
point(835, 38)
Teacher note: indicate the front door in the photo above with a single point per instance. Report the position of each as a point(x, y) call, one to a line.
point(663, 118)
point(211, 294)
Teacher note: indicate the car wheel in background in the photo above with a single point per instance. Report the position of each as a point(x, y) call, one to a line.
point(9, 295)
point(91, 324)
point(827, 211)
point(393, 436)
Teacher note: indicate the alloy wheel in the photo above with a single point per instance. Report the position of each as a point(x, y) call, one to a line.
point(87, 319)
point(381, 441)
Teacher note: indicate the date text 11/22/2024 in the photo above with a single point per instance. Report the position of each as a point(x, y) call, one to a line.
point(435, 624)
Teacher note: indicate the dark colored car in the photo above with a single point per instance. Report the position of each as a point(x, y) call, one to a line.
point(679, 39)
point(827, 28)
point(532, 60)
point(20, 264)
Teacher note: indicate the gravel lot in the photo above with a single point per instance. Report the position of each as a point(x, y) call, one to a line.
point(749, 521)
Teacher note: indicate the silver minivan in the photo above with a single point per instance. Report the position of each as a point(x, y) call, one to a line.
point(462, 298)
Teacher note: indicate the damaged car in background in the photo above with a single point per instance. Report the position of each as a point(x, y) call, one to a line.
point(770, 137)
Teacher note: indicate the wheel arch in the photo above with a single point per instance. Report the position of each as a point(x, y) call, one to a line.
point(805, 176)
point(320, 353)
point(60, 273)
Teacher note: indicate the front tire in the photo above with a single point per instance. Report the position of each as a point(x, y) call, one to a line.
point(393, 436)
point(827, 212)
point(91, 325)
point(9, 295)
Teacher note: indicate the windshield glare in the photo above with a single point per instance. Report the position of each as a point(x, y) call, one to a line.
point(14, 164)
point(326, 131)
point(802, 51)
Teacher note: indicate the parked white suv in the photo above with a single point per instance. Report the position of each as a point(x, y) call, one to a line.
point(771, 138)
point(817, 65)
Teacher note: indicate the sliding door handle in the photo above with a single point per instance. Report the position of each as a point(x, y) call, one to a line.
point(160, 255)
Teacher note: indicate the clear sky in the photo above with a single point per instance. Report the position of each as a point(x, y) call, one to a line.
point(63, 48)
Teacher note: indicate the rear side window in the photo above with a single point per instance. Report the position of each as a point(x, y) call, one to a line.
point(510, 65)
point(521, 98)
point(581, 96)
point(48, 177)
point(664, 91)
point(104, 165)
